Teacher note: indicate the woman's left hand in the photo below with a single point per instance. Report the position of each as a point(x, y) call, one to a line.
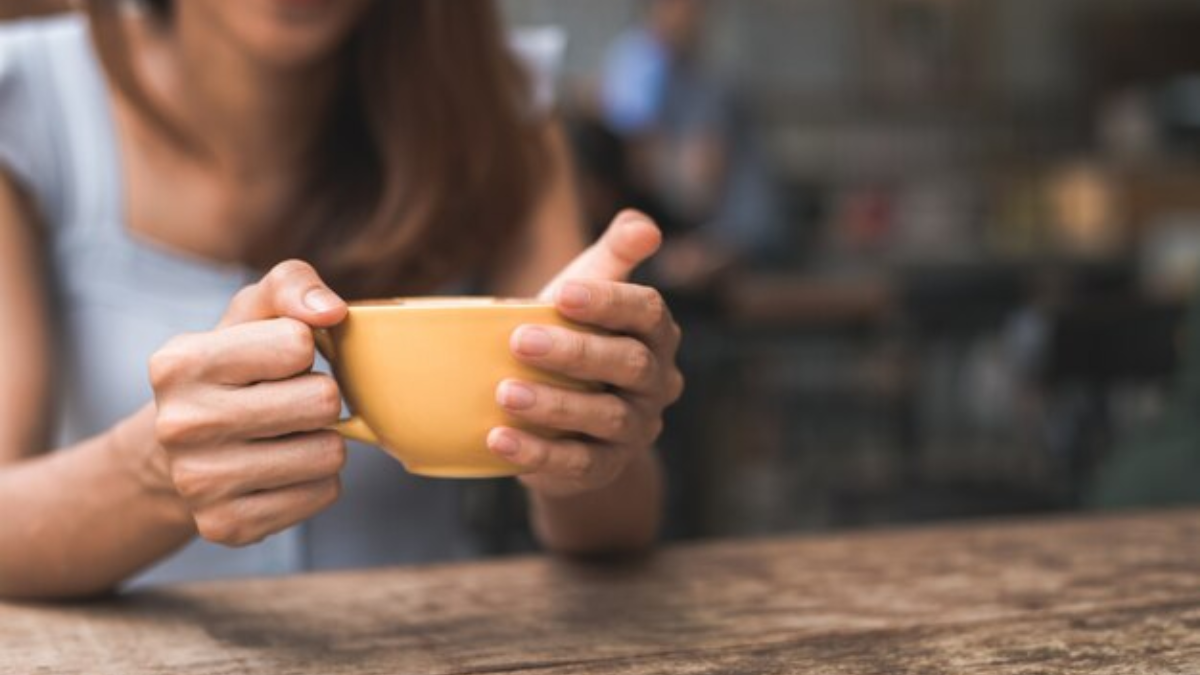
point(605, 430)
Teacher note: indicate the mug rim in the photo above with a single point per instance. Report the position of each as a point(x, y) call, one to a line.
point(449, 302)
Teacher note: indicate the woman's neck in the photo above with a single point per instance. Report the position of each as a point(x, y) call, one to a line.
point(250, 117)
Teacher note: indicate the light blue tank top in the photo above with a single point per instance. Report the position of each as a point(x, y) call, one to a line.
point(117, 298)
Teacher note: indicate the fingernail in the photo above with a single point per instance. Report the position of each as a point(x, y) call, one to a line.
point(504, 443)
point(575, 296)
point(534, 342)
point(321, 300)
point(516, 396)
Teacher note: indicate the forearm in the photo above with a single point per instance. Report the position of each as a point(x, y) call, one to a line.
point(622, 517)
point(79, 521)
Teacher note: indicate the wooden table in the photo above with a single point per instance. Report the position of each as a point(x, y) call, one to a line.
point(1087, 595)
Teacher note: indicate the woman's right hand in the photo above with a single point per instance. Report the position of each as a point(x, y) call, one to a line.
point(241, 417)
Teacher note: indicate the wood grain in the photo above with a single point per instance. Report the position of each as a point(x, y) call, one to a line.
point(1109, 595)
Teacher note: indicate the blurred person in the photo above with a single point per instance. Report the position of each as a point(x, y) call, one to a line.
point(601, 161)
point(164, 172)
point(691, 148)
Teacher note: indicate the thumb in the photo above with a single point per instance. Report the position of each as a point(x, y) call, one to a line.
point(628, 242)
point(292, 289)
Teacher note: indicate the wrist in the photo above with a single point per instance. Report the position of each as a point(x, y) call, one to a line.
point(140, 458)
point(623, 516)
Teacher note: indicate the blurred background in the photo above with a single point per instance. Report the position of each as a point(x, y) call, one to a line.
point(934, 258)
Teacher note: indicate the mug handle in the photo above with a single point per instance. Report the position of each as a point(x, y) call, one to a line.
point(353, 427)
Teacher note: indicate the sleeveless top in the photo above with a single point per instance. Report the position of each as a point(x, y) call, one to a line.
point(117, 298)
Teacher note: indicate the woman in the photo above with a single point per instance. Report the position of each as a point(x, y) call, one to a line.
point(151, 163)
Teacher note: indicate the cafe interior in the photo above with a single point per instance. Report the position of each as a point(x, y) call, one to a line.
point(971, 297)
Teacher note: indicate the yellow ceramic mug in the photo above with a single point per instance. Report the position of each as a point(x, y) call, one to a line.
point(420, 377)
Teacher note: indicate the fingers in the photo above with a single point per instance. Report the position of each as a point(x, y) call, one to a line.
point(214, 415)
point(619, 307)
point(564, 463)
point(291, 289)
point(620, 361)
point(629, 240)
point(240, 354)
point(251, 518)
point(212, 476)
point(602, 416)
point(240, 417)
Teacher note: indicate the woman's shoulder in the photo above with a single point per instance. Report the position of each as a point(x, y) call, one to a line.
point(33, 52)
point(29, 48)
point(37, 37)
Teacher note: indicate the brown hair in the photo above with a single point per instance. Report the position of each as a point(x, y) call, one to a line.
point(431, 160)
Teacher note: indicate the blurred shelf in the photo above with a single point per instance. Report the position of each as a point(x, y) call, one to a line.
point(790, 299)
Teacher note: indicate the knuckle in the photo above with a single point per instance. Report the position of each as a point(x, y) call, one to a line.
point(190, 481)
point(582, 464)
point(332, 449)
point(175, 361)
point(618, 420)
point(237, 524)
point(332, 490)
point(328, 397)
point(560, 407)
point(676, 385)
point(290, 270)
point(177, 425)
point(245, 296)
point(675, 332)
point(608, 293)
point(577, 350)
point(296, 343)
point(170, 430)
point(537, 456)
point(640, 363)
point(248, 540)
point(655, 307)
point(219, 529)
point(323, 493)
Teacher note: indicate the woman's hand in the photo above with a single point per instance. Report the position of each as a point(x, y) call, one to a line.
point(241, 417)
point(636, 359)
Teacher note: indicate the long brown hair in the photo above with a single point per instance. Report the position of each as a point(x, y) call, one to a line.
point(429, 164)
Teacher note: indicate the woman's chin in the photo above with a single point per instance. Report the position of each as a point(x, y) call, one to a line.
point(296, 33)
